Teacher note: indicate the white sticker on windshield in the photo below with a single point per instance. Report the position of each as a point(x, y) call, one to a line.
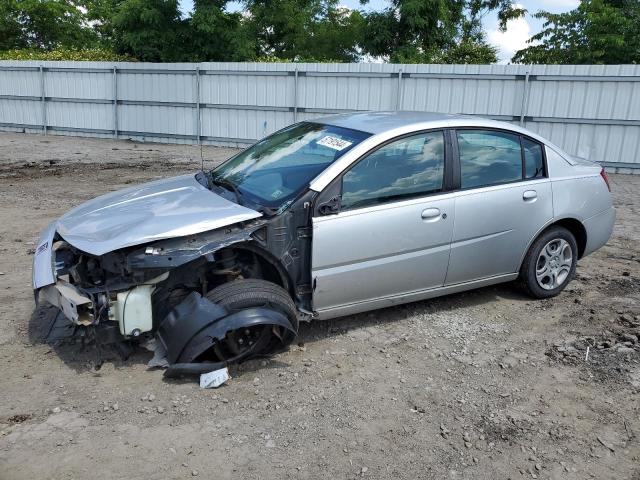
point(334, 142)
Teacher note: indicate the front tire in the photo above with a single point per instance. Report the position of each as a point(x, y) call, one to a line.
point(243, 343)
point(550, 263)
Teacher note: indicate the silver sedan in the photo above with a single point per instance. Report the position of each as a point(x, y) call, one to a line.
point(323, 218)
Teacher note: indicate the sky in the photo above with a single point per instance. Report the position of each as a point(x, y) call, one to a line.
point(514, 39)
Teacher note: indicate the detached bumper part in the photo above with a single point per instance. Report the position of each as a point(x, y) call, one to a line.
point(195, 325)
point(76, 306)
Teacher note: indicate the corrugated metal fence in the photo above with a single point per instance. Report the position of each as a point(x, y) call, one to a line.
point(592, 111)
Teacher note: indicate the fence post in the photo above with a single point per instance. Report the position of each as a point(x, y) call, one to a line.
point(198, 121)
point(399, 93)
point(525, 99)
point(295, 95)
point(43, 100)
point(115, 102)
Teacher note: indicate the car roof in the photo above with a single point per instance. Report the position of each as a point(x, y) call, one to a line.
point(380, 122)
point(377, 123)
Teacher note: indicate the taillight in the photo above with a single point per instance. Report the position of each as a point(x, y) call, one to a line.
point(605, 177)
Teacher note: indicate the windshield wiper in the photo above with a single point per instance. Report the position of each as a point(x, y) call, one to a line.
point(227, 185)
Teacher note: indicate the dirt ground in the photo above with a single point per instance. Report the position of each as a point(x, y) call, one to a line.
point(481, 385)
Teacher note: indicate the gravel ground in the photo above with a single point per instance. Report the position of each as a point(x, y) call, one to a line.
point(484, 384)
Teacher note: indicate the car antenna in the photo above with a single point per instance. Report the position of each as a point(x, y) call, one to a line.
point(201, 159)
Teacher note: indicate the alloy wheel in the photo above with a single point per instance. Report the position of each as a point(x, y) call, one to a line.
point(554, 264)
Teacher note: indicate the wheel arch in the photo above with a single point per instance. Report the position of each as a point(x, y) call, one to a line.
point(572, 224)
point(270, 261)
point(578, 231)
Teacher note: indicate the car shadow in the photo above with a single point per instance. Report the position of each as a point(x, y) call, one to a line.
point(48, 326)
point(320, 330)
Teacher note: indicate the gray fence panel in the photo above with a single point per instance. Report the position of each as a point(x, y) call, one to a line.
point(80, 85)
point(21, 112)
point(590, 110)
point(23, 83)
point(78, 115)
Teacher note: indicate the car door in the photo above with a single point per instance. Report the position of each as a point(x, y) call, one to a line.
point(389, 233)
point(504, 199)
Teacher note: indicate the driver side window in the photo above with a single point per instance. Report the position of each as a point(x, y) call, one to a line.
point(410, 167)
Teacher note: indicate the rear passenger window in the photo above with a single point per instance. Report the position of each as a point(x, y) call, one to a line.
point(533, 161)
point(488, 158)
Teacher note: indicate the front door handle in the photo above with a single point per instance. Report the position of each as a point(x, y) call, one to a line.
point(530, 196)
point(431, 214)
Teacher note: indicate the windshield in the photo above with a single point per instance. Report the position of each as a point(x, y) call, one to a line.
point(274, 171)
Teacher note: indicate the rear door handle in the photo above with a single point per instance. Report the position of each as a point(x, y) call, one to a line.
point(530, 196)
point(431, 214)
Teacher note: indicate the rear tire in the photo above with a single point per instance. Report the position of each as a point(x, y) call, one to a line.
point(241, 294)
point(550, 263)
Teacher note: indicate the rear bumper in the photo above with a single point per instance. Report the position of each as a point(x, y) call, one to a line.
point(599, 229)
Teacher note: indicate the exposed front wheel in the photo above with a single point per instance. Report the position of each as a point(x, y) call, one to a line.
point(550, 263)
point(246, 342)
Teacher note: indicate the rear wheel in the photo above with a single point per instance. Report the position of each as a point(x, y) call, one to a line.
point(550, 263)
point(260, 339)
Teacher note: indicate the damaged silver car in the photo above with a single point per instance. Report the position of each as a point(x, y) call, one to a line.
point(322, 219)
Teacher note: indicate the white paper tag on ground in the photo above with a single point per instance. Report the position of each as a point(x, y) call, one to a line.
point(214, 379)
point(333, 142)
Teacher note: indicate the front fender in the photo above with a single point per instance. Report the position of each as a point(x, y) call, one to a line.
point(196, 323)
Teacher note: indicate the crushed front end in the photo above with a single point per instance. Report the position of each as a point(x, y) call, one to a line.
point(153, 291)
point(94, 290)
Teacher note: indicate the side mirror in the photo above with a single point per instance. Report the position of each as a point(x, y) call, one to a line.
point(329, 207)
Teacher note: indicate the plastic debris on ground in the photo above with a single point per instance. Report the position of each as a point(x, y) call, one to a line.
point(214, 379)
point(159, 359)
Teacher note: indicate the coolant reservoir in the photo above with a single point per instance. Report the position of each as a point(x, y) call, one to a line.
point(133, 310)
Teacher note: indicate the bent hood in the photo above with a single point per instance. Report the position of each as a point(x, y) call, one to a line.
point(167, 208)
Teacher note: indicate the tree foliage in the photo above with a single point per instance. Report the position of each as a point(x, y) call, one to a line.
point(43, 24)
point(149, 30)
point(445, 31)
point(424, 31)
point(84, 54)
point(304, 30)
point(596, 32)
point(218, 35)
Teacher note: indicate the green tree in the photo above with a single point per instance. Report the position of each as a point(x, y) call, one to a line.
point(218, 35)
point(44, 24)
point(149, 30)
point(101, 14)
point(412, 31)
point(304, 30)
point(475, 51)
point(596, 32)
point(335, 36)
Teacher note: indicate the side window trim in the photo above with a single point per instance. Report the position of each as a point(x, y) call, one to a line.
point(451, 181)
point(543, 150)
point(448, 183)
point(522, 158)
point(455, 159)
point(457, 181)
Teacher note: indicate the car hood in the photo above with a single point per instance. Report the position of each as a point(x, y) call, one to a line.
point(168, 208)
